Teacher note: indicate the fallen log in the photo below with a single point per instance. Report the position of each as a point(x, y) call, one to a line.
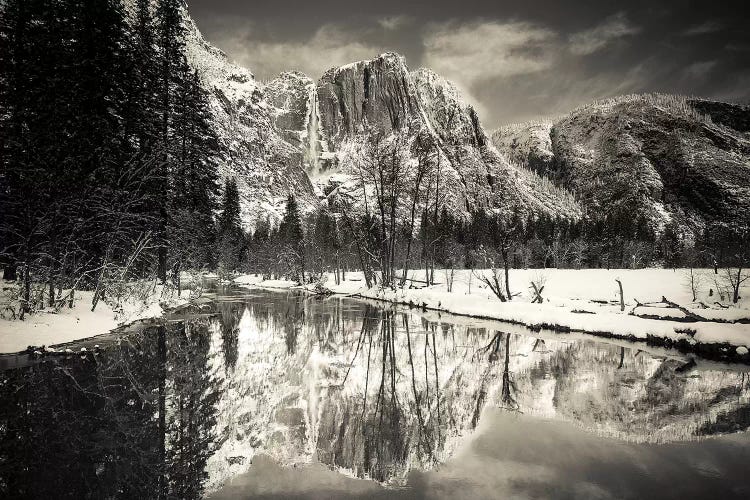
point(690, 316)
point(688, 313)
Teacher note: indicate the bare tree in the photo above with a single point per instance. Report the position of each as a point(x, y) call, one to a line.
point(733, 247)
point(506, 233)
point(578, 248)
point(494, 280)
point(381, 166)
point(425, 150)
point(693, 282)
point(735, 278)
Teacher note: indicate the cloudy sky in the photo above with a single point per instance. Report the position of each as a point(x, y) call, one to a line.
point(514, 60)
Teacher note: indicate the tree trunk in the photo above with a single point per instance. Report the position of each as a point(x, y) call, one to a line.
point(51, 299)
point(736, 286)
point(10, 271)
point(406, 261)
point(95, 298)
point(507, 274)
point(178, 281)
point(622, 299)
point(365, 271)
point(26, 289)
point(162, 263)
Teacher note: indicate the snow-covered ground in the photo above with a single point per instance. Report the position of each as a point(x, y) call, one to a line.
point(51, 327)
point(569, 294)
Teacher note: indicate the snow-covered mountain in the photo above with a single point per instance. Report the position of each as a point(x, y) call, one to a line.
point(255, 123)
point(651, 159)
point(656, 158)
point(291, 134)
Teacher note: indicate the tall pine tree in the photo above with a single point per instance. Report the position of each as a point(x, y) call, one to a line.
point(231, 237)
point(106, 138)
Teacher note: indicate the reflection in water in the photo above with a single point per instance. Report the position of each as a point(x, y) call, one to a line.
point(135, 420)
point(177, 409)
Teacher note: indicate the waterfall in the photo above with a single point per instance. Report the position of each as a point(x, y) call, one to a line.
point(313, 149)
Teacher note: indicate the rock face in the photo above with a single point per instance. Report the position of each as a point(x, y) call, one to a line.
point(287, 136)
point(374, 94)
point(383, 96)
point(651, 159)
point(260, 128)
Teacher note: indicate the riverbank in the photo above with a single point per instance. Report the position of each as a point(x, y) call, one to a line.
point(52, 326)
point(584, 301)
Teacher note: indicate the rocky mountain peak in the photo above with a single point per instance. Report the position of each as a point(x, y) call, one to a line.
point(376, 94)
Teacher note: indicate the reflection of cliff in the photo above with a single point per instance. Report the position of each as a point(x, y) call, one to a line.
point(630, 395)
point(377, 392)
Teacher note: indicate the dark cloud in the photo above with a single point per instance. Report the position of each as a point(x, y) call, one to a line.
point(703, 28)
point(515, 60)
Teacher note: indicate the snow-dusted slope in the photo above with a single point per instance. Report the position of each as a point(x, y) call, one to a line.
point(255, 124)
point(651, 158)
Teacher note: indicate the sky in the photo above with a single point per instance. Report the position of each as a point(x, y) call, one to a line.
point(514, 60)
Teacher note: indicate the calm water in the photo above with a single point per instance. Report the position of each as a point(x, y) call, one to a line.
point(279, 395)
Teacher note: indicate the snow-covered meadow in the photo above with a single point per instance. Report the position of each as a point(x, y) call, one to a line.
point(579, 300)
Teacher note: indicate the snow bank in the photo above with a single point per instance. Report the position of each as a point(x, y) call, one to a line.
point(49, 327)
point(568, 293)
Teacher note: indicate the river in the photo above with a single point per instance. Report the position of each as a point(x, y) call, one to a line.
point(282, 394)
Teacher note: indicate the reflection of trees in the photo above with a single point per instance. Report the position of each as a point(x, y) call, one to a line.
point(52, 441)
point(292, 321)
point(509, 386)
point(385, 441)
point(191, 414)
point(371, 390)
point(394, 417)
point(426, 439)
point(230, 313)
point(81, 428)
point(493, 351)
point(90, 428)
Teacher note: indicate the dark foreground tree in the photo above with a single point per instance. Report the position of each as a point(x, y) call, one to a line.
point(231, 236)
